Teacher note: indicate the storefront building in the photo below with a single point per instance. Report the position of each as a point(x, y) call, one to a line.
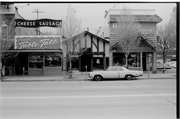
point(38, 55)
point(34, 54)
point(7, 16)
point(95, 57)
point(145, 53)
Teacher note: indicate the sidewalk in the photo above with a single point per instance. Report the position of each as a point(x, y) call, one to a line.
point(82, 76)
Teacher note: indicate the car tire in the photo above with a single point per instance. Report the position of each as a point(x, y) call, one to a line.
point(129, 77)
point(98, 77)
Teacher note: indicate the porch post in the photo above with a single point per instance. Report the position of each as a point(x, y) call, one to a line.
point(141, 62)
point(110, 58)
point(104, 62)
point(154, 63)
point(92, 62)
point(80, 63)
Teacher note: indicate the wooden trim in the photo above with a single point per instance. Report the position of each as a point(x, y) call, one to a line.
point(104, 47)
point(98, 53)
point(97, 45)
point(94, 43)
point(91, 44)
point(104, 62)
point(92, 62)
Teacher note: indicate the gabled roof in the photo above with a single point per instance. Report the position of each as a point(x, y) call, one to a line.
point(150, 38)
point(139, 18)
point(91, 34)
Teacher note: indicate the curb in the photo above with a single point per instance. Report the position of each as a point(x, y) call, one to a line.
point(75, 79)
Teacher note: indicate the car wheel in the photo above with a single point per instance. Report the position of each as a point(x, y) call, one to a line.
point(129, 77)
point(98, 78)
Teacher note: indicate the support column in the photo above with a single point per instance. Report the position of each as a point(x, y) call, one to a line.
point(80, 63)
point(110, 58)
point(92, 62)
point(154, 63)
point(64, 63)
point(104, 62)
point(141, 62)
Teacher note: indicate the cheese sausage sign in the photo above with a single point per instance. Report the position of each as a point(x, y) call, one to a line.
point(38, 23)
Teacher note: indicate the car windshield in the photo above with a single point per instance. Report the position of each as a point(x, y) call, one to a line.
point(124, 69)
point(112, 69)
point(116, 68)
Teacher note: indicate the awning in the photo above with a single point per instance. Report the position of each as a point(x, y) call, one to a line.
point(33, 51)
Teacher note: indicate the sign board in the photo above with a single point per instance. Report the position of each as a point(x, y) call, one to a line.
point(7, 9)
point(38, 23)
point(38, 42)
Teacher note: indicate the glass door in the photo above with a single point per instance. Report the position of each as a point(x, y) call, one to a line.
point(36, 64)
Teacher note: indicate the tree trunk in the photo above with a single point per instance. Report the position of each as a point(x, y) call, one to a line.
point(164, 59)
point(70, 69)
point(126, 60)
point(164, 56)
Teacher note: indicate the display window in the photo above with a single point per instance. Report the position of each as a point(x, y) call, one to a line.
point(36, 62)
point(52, 61)
point(133, 59)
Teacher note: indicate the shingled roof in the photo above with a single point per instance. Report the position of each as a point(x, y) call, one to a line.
point(150, 38)
point(140, 18)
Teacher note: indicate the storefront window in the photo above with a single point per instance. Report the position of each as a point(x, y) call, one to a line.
point(133, 59)
point(98, 63)
point(36, 62)
point(52, 61)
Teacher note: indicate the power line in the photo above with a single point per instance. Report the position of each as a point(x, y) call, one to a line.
point(37, 12)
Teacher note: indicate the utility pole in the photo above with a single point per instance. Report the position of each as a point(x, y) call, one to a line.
point(37, 11)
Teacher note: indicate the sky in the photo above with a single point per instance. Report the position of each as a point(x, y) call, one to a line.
point(91, 14)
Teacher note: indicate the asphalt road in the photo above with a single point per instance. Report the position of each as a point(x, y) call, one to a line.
point(136, 99)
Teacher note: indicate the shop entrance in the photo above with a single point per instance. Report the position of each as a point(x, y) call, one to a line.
point(85, 61)
point(21, 62)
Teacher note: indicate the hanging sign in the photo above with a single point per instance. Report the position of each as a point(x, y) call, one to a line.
point(38, 23)
point(38, 42)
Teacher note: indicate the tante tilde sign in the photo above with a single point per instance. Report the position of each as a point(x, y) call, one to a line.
point(38, 42)
point(38, 23)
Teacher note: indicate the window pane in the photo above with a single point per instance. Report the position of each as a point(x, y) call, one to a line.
point(52, 61)
point(36, 62)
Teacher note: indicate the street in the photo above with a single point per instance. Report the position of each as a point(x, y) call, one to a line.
point(117, 99)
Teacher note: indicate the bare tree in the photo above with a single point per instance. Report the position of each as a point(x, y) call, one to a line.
point(7, 38)
point(167, 36)
point(71, 27)
point(127, 32)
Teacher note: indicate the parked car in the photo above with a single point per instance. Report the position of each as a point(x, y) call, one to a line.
point(115, 72)
point(163, 66)
point(172, 64)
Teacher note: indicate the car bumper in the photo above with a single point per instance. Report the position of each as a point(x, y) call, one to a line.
point(90, 76)
point(138, 75)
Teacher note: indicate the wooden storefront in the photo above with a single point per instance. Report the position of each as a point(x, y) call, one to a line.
point(95, 57)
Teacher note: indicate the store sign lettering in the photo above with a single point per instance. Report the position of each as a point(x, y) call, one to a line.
point(38, 43)
point(38, 23)
point(46, 42)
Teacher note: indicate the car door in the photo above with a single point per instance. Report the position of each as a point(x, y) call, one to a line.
point(112, 72)
point(122, 72)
